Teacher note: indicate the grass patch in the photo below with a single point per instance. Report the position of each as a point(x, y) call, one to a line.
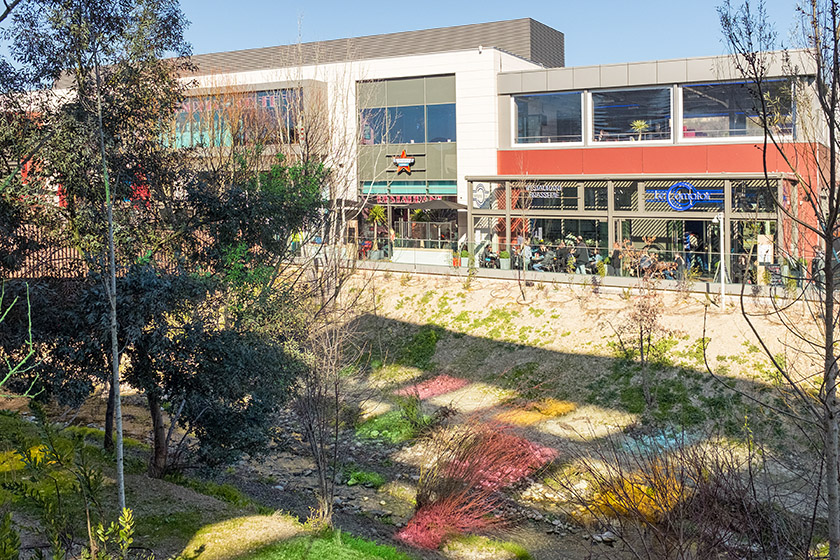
point(420, 349)
point(98, 435)
point(223, 492)
point(483, 547)
point(393, 427)
point(240, 537)
point(334, 545)
point(178, 525)
point(368, 479)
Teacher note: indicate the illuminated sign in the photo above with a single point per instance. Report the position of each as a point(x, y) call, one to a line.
point(404, 199)
point(683, 196)
point(403, 163)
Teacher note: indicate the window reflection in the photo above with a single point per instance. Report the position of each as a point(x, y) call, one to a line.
point(723, 110)
point(549, 117)
point(440, 123)
point(629, 115)
point(406, 125)
point(373, 126)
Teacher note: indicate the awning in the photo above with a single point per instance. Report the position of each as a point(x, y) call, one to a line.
point(437, 205)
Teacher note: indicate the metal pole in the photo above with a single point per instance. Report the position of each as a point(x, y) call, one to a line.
point(719, 219)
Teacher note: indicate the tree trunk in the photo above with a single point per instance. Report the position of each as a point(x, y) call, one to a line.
point(109, 419)
point(112, 293)
point(832, 437)
point(160, 452)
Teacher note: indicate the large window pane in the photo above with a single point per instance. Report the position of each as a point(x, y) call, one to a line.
point(731, 109)
point(550, 117)
point(640, 114)
point(373, 126)
point(441, 122)
point(281, 107)
point(182, 127)
point(406, 125)
point(753, 196)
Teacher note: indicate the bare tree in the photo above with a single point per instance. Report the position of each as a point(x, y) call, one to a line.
point(807, 366)
point(8, 7)
point(305, 123)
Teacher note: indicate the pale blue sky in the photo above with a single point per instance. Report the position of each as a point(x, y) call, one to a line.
point(597, 31)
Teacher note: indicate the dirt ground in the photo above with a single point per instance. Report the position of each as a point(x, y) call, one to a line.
point(504, 352)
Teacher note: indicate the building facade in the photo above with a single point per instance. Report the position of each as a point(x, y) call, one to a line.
point(659, 157)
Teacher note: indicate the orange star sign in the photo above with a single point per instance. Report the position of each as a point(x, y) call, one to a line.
point(403, 163)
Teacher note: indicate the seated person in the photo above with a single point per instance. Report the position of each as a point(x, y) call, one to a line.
point(488, 257)
point(547, 258)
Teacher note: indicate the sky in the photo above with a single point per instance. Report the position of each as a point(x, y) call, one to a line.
point(596, 31)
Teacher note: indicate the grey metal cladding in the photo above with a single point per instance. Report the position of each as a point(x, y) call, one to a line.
point(524, 37)
point(548, 45)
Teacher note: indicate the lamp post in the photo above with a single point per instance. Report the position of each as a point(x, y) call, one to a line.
point(718, 219)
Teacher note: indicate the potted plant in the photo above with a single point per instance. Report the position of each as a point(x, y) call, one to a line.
point(377, 217)
point(640, 127)
point(504, 260)
point(465, 258)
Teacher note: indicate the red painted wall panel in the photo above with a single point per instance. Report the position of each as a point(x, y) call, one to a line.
point(726, 158)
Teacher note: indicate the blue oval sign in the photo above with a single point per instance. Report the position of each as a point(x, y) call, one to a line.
point(682, 196)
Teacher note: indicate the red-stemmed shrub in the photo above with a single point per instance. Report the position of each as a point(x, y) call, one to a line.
point(458, 490)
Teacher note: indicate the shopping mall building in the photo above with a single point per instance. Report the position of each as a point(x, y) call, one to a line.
point(644, 154)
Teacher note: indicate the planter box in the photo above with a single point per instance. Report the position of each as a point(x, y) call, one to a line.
point(504, 264)
point(376, 255)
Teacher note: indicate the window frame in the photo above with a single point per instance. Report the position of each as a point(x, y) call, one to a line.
point(514, 122)
point(682, 138)
point(591, 141)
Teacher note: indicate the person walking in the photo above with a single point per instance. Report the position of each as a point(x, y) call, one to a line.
point(615, 259)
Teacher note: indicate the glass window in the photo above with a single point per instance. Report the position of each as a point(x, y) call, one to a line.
point(626, 197)
point(560, 234)
point(373, 126)
point(182, 128)
point(440, 123)
point(753, 196)
point(627, 115)
point(595, 198)
point(732, 109)
point(549, 117)
point(406, 125)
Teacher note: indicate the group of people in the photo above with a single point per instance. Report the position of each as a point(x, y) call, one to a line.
point(576, 256)
point(579, 258)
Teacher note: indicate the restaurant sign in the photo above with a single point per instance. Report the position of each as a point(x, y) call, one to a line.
point(542, 190)
point(405, 198)
point(403, 163)
point(684, 196)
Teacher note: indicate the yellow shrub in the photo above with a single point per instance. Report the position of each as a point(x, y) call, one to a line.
point(554, 408)
point(647, 497)
point(520, 417)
